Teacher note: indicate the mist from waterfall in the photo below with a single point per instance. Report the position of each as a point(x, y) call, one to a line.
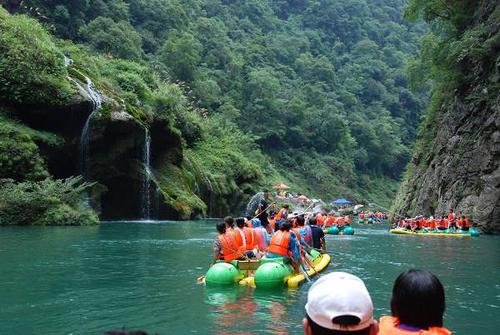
point(253, 203)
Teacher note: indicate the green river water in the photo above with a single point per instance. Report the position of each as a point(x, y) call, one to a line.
point(86, 280)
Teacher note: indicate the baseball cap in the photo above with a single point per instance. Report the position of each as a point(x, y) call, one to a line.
point(339, 294)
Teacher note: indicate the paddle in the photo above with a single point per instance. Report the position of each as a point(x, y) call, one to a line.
point(272, 203)
point(301, 267)
point(310, 264)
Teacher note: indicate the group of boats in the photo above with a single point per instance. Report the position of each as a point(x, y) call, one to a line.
point(270, 273)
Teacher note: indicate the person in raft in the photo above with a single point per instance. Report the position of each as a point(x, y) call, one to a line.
point(318, 236)
point(417, 306)
point(264, 208)
point(452, 219)
point(285, 244)
point(249, 238)
point(225, 246)
point(339, 303)
point(282, 216)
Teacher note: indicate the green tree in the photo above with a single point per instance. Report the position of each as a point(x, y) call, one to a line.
point(117, 39)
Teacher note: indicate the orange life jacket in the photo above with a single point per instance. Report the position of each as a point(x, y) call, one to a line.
point(388, 325)
point(229, 247)
point(443, 224)
point(433, 224)
point(279, 243)
point(361, 216)
point(466, 223)
point(250, 238)
point(319, 220)
point(238, 239)
point(281, 215)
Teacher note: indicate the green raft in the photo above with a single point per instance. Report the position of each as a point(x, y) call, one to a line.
point(334, 230)
point(266, 273)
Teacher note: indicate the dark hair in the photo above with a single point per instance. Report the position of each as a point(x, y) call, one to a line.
point(229, 221)
point(340, 320)
point(418, 299)
point(286, 206)
point(240, 222)
point(312, 221)
point(285, 225)
point(300, 220)
point(266, 191)
point(221, 227)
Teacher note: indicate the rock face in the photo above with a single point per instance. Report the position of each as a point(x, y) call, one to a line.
point(456, 163)
point(462, 170)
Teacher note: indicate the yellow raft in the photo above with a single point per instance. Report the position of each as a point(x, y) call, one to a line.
point(459, 233)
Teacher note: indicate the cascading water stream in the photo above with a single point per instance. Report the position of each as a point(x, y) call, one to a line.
point(146, 182)
point(210, 197)
point(96, 100)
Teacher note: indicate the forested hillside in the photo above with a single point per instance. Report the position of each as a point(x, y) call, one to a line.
point(313, 93)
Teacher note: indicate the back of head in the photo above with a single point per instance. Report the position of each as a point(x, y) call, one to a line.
point(339, 303)
point(300, 220)
point(285, 226)
point(240, 222)
point(221, 227)
point(312, 221)
point(229, 221)
point(418, 299)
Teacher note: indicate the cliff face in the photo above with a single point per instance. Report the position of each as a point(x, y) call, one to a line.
point(457, 155)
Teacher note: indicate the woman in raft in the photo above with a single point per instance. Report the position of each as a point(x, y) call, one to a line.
point(417, 306)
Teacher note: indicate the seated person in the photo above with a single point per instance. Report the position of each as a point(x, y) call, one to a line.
point(465, 223)
point(339, 303)
point(284, 244)
point(417, 306)
point(225, 247)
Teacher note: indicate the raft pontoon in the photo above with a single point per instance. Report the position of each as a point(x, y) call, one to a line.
point(266, 273)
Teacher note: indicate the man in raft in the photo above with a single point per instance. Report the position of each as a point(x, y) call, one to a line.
point(285, 244)
point(225, 247)
point(452, 219)
point(318, 235)
point(264, 207)
point(339, 303)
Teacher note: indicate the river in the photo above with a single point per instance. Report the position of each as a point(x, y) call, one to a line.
point(86, 280)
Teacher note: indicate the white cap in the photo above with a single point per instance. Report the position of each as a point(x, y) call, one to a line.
point(338, 294)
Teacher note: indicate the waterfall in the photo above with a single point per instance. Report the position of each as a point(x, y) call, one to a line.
point(210, 197)
point(67, 61)
point(146, 179)
point(253, 203)
point(96, 99)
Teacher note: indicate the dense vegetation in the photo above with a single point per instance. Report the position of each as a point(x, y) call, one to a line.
point(310, 92)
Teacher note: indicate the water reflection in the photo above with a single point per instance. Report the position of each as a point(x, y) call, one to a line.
point(244, 311)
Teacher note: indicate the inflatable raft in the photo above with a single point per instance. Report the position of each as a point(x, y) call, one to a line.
point(266, 273)
point(447, 233)
point(334, 230)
